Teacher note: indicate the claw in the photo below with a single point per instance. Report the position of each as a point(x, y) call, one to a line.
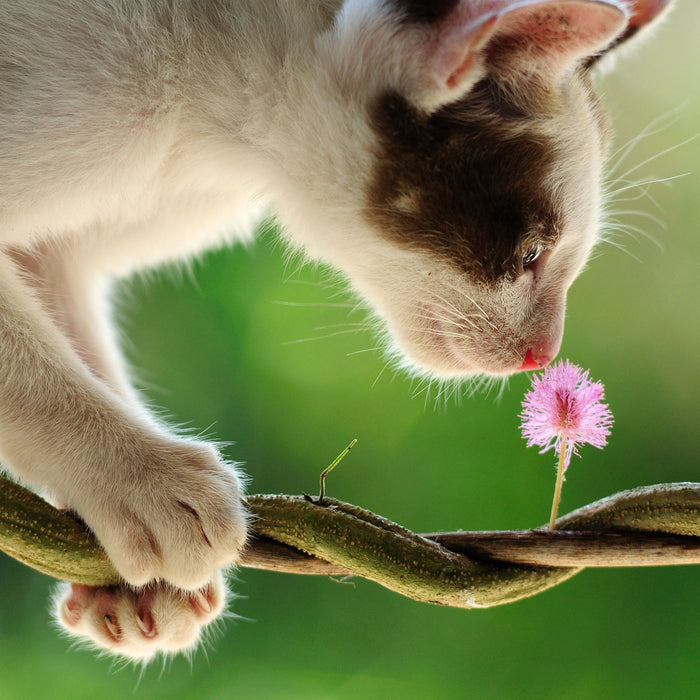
point(71, 611)
point(145, 622)
point(202, 603)
point(112, 627)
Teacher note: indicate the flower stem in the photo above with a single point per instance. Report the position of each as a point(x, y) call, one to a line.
point(557, 488)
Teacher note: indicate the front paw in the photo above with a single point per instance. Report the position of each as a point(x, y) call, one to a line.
point(139, 624)
point(172, 513)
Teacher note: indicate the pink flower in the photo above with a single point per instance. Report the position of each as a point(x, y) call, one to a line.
point(563, 410)
point(564, 405)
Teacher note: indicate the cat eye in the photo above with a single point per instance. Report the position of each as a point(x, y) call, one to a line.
point(531, 254)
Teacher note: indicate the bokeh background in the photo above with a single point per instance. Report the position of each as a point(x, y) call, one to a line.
point(225, 350)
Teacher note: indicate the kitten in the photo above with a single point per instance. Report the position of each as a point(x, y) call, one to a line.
point(445, 155)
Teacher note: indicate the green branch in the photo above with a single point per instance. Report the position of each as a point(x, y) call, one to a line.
point(650, 525)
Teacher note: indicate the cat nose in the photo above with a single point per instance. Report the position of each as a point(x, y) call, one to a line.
point(537, 360)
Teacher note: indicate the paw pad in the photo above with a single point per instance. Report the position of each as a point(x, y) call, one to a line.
point(139, 623)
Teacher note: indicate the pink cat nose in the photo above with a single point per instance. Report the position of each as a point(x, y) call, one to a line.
point(537, 361)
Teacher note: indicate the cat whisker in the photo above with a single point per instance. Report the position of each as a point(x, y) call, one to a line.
point(445, 334)
point(311, 304)
point(459, 314)
point(440, 391)
point(451, 321)
point(634, 232)
point(615, 244)
point(643, 185)
point(461, 292)
point(644, 193)
point(644, 214)
point(484, 316)
point(376, 348)
point(325, 336)
point(448, 305)
point(470, 319)
point(423, 383)
point(426, 388)
point(454, 318)
point(359, 325)
point(654, 127)
point(381, 372)
point(656, 156)
point(490, 323)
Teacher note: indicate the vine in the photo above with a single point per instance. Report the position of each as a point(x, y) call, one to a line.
point(651, 525)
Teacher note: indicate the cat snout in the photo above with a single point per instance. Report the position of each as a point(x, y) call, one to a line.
point(537, 358)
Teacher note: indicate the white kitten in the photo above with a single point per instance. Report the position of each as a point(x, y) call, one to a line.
point(445, 155)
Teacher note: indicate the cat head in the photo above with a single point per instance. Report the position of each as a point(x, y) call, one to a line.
point(480, 197)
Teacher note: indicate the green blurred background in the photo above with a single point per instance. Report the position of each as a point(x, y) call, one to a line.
point(218, 350)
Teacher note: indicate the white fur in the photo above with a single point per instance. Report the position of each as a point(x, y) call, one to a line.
point(134, 132)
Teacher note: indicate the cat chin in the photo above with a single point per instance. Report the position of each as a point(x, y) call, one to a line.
point(439, 359)
point(438, 346)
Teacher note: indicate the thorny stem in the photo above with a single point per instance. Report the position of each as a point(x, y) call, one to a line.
point(329, 469)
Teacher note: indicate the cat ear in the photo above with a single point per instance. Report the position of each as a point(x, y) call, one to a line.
point(535, 36)
point(643, 15)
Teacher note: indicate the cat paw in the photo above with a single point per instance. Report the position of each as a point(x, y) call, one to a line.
point(139, 623)
point(174, 514)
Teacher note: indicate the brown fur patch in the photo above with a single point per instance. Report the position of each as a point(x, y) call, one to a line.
point(475, 175)
point(424, 11)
